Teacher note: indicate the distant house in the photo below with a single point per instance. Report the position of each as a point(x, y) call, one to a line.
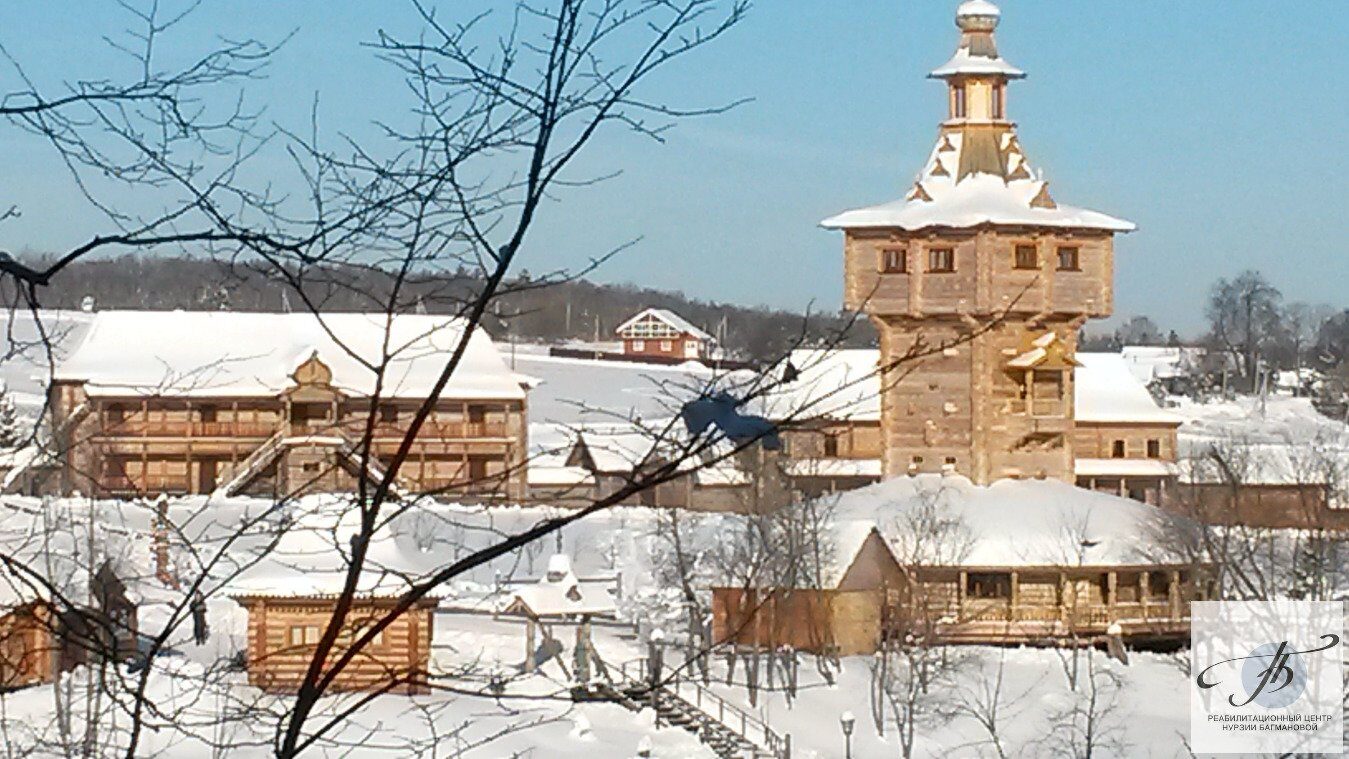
point(658, 332)
point(195, 402)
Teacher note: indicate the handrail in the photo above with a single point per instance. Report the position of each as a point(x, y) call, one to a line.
point(778, 745)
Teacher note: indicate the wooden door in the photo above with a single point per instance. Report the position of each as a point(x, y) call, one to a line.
point(206, 475)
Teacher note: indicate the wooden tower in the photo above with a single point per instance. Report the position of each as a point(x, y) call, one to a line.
point(984, 275)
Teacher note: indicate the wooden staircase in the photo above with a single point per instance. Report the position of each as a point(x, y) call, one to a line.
point(731, 732)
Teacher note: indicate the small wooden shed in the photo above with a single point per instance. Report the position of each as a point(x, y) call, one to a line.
point(284, 630)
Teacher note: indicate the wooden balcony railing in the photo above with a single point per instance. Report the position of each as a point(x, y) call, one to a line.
point(152, 428)
point(431, 429)
point(1051, 407)
point(992, 610)
point(146, 484)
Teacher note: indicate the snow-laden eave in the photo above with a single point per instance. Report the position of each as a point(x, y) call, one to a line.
point(889, 216)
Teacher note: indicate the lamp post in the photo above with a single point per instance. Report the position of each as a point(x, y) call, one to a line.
point(846, 721)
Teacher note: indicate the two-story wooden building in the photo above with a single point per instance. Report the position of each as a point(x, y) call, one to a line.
point(664, 334)
point(196, 402)
point(1123, 442)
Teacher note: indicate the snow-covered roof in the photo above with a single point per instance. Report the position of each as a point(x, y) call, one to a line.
point(977, 199)
point(675, 322)
point(1245, 463)
point(54, 558)
point(560, 593)
point(831, 384)
point(1108, 392)
point(978, 8)
point(222, 353)
point(1010, 523)
point(965, 62)
point(310, 554)
point(1150, 362)
point(617, 448)
point(559, 475)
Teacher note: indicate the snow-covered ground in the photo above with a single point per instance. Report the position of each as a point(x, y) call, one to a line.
point(195, 683)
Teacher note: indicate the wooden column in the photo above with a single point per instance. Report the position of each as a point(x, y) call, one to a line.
point(1173, 594)
point(1110, 581)
point(529, 645)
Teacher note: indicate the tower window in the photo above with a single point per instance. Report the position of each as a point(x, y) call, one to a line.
point(997, 101)
point(830, 446)
point(960, 101)
point(941, 260)
point(894, 261)
point(1154, 449)
point(1117, 449)
point(1068, 259)
point(1027, 257)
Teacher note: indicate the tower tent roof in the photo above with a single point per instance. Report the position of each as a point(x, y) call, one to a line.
point(1009, 193)
point(977, 173)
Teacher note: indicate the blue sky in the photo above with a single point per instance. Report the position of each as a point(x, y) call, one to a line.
point(1217, 126)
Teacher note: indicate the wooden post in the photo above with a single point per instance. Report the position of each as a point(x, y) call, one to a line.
point(1144, 589)
point(529, 645)
point(1173, 594)
point(1013, 597)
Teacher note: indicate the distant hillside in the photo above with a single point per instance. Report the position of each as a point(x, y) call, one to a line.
point(580, 310)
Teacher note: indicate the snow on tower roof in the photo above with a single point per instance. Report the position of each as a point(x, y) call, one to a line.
point(676, 322)
point(990, 184)
point(1107, 391)
point(978, 53)
point(222, 353)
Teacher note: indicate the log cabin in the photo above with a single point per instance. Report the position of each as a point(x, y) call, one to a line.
point(29, 651)
point(43, 634)
point(1032, 562)
point(290, 594)
point(663, 333)
point(195, 402)
point(283, 630)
